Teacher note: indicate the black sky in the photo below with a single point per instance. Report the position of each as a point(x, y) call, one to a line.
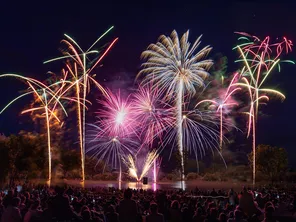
point(31, 32)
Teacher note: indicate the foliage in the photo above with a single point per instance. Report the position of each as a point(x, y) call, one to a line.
point(240, 173)
point(22, 154)
point(270, 161)
point(70, 160)
point(93, 167)
point(192, 176)
point(211, 177)
point(106, 176)
point(4, 163)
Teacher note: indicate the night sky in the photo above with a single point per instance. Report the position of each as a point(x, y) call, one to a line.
point(31, 33)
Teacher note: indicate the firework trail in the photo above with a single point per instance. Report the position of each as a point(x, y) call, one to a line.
point(224, 103)
point(146, 166)
point(178, 70)
point(154, 116)
point(200, 130)
point(156, 168)
point(115, 130)
point(81, 66)
point(109, 148)
point(259, 58)
point(116, 116)
point(49, 99)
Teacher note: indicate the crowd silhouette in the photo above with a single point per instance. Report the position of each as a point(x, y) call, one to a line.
point(64, 203)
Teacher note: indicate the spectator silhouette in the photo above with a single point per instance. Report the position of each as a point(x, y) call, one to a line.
point(175, 214)
point(222, 217)
point(112, 216)
point(238, 217)
point(127, 208)
point(246, 203)
point(12, 213)
point(33, 213)
point(61, 206)
point(268, 214)
point(154, 216)
point(198, 215)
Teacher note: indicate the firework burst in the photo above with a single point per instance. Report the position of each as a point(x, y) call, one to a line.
point(153, 115)
point(224, 103)
point(259, 58)
point(131, 164)
point(80, 65)
point(177, 69)
point(200, 130)
point(116, 116)
point(48, 99)
point(109, 148)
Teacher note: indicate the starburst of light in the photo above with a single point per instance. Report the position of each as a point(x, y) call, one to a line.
point(177, 68)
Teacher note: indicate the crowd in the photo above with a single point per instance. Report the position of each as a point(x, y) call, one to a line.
point(63, 204)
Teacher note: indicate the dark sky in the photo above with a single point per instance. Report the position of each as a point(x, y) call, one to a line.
point(31, 32)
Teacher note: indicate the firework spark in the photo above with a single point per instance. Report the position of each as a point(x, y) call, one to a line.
point(48, 99)
point(146, 166)
point(224, 103)
point(81, 72)
point(109, 148)
point(116, 116)
point(177, 69)
point(200, 130)
point(114, 136)
point(259, 59)
point(153, 115)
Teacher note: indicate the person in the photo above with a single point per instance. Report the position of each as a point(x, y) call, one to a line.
point(175, 214)
point(238, 217)
point(112, 216)
point(222, 217)
point(12, 213)
point(154, 216)
point(231, 196)
point(33, 213)
point(127, 208)
point(246, 203)
point(198, 215)
point(268, 214)
point(213, 215)
point(61, 206)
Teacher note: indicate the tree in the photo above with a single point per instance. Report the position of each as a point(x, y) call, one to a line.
point(93, 167)
point(4, 163)
point(271, 161)
point(70, 160)
point(22, 154)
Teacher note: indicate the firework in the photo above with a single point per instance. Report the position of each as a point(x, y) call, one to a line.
point(109, 148)
point(156, 168)
point(178, 70)
point(116, 116)
point(48, 99)
point(224, 103)
point(129, 161)
point(81, 70)
point(200, 130)
point(114, 136)
point(154, 115)
point(259, 59)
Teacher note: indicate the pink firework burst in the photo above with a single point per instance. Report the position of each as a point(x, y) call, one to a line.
point(224, 103)
point(116, 115)
point(152, 114)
